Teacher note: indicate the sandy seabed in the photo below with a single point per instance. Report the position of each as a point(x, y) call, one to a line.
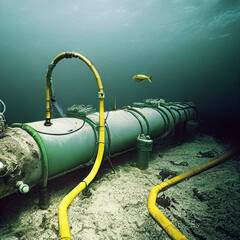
point(206, 206)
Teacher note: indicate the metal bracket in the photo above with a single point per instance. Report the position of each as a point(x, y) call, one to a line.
point(101, 95)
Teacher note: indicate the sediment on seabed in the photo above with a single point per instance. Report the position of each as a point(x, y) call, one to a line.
point(115, 206)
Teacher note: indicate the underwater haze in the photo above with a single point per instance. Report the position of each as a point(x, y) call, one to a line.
point(191, 48)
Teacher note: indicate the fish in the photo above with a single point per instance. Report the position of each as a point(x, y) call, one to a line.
point(141, 77)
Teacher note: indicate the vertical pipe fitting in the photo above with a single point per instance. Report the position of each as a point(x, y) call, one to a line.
point(144, 146)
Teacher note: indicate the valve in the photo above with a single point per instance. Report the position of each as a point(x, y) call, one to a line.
point(144, 146)
point(22, 187)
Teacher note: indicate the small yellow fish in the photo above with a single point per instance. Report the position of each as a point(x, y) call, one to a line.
point(141, 77)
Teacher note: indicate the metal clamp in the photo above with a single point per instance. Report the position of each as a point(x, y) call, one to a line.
point(101, 95)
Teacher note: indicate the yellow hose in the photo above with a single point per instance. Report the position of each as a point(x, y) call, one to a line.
point(49, 87)
point(62, 209)
point(172, 231)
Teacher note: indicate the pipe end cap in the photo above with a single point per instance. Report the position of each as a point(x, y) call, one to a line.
point(23, 187)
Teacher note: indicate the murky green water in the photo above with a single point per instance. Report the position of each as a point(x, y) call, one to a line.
point(191, 48)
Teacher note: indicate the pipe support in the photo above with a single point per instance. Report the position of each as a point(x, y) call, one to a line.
point(144, 146)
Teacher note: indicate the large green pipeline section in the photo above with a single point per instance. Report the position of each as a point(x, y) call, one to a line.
point(72, 142)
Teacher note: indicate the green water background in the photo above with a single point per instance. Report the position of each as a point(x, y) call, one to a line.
point(192, 49)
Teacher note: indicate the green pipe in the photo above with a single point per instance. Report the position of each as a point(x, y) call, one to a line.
point(70, 143)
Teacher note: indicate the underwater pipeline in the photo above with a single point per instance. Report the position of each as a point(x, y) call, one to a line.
point(71, 142)
point(36, 152)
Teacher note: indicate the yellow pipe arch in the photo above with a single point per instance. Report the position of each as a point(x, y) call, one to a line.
point(49, 86)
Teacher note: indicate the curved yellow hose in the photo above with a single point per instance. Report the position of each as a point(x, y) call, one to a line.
point(62, 209)
point(172, 231)
point(49, 87)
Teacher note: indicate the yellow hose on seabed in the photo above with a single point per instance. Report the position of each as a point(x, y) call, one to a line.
point(172, 231)
point(62, 209)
